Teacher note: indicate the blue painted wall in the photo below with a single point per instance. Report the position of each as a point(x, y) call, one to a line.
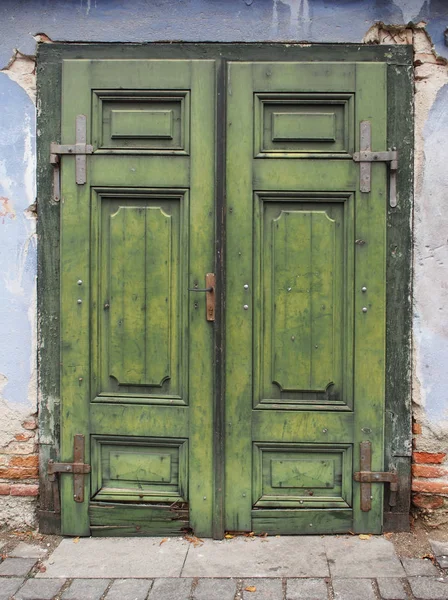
point(208, 20)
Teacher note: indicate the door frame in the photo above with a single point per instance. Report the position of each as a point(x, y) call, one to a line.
point(399, 60)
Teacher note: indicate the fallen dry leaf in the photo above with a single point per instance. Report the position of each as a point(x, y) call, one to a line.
point(163, 541)
point(194, 540)
point(250, 588)
point(229, 536)
point(430, 557)
point(365, 536)
point(76, 540)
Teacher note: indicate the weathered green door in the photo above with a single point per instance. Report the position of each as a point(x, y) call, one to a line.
point(305, 296)
point(305, 343)
point(136, 368)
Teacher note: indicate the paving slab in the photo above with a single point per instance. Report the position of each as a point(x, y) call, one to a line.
point(353, 589)
point(39, 589)
point(86, 589)
point(216, 589)
point(24, 550)
point(8, 587)
point(265, 589)
point(255, 557)
point(391, 589)
point(415, 567)
point(306, 589)
point(129, 589)
point(171, 589)
point(429, 588)
point(17, 567)
point(353, 557)
point(440, 550)
point(116, 558)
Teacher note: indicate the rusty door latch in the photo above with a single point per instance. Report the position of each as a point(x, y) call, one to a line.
point(77, 468)
point(210, 282)
point(366, 157)
point(366, 477)
point(80, 150)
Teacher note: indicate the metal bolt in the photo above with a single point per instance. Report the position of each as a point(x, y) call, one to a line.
point(300, 501)
point(289, 289)
point(246, 306)
point(244, 495)
point(79, 378)
point(205, 497)
point(79, 281)
point(196, 304)
point(364, 309)
point(293, 337)
point(79, 301)
point(311, 524)
point(325, 430)
point(245, 286)
point(363, 289)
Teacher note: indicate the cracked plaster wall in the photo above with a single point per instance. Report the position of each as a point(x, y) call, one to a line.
point(219, 20)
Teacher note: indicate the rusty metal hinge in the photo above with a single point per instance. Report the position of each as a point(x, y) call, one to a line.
point(366, 157)
point(77, 468)
point(80, 150)
point(366, 477)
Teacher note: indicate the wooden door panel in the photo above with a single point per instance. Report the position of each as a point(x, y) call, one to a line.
point(289, 125)
point(143, 302)
point(139, 469)
point(302, 476)
point(303, 332)
point(155, 122)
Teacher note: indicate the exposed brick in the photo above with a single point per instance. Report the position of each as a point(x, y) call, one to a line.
point(416, 428)
point(5, 489)
point(19, 472)
point(430, 502)
point(429, 457)
point(428, 471)
point(432, 487)
point(24, 490)
point(29, 424)
point(24, 437)
point(24, 461)
point(29, 447)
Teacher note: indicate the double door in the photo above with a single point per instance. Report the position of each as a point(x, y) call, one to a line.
point(244, 407)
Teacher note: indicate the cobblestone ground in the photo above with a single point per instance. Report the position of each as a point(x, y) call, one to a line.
point(354, 571)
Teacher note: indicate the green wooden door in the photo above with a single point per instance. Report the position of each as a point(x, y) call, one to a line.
point(304, 344)
point(136, 371)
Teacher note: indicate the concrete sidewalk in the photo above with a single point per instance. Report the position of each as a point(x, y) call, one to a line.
point(249, 568)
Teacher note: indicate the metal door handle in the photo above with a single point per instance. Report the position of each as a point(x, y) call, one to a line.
point(210, 282)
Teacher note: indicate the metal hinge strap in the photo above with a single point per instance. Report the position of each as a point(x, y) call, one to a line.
point(80, 150)
point(366, 477)
point(365, 157)
point(77, 468)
